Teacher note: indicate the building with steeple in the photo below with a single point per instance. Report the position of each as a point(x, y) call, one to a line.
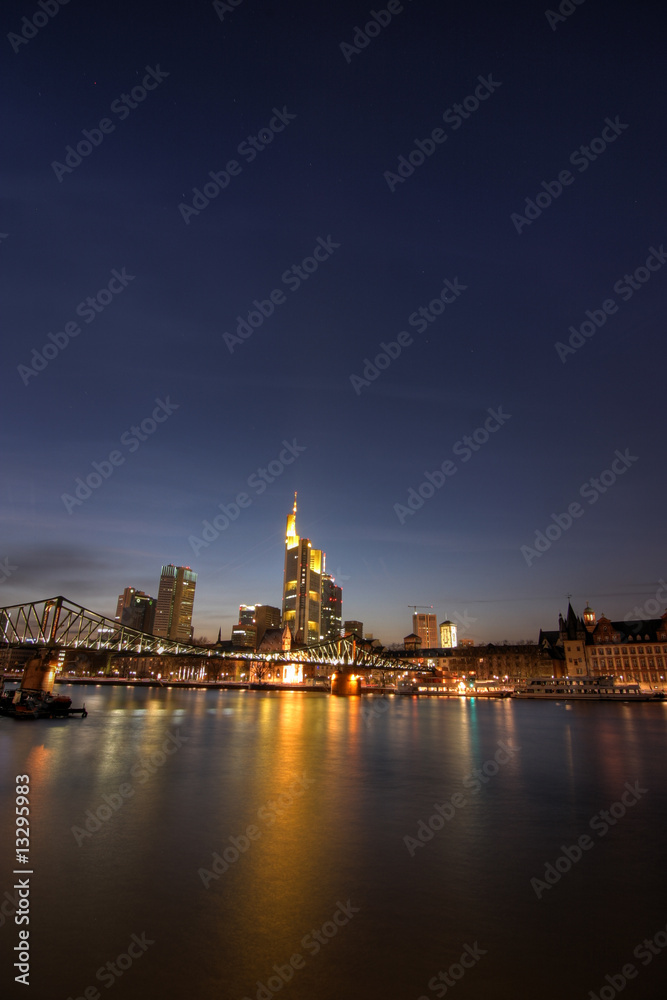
point(632, 650)
point(302, 585)
point(573, 636)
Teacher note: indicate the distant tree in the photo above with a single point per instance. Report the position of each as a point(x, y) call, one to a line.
point(259, 671)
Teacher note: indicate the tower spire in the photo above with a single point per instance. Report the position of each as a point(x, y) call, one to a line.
point(291, 538)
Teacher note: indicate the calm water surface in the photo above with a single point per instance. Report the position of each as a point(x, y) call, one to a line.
point(352, 779)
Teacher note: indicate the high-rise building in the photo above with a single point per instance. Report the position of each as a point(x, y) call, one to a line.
point(124, 601)
point(141, 613)
point(353, 626)
point(244, 633)
point(254, 620)
point(244, 636)
point(136, 610)
point(266, 617)
point(175, 600)
point(448, 637)
point(247, 614)
point(425, 626)
point(332, 608)
point(302, 585)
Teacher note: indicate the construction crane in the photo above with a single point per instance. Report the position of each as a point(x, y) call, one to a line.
point(429, 607)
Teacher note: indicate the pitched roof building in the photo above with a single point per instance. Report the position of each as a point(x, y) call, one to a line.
point(632, 650)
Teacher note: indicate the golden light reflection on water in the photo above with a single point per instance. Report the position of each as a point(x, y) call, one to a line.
point(369, 770)
point(39, 763)
point(298, 815)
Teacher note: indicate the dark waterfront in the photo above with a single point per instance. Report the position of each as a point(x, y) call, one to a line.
point(361, 775)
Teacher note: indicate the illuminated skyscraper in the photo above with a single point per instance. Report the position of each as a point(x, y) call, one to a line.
point(254, 620)
point(244, 633)
point(175, 600)
point(302, 585)
point(332, 608)
point(425, 626)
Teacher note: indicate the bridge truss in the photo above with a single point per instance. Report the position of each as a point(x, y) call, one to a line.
point(58, 623)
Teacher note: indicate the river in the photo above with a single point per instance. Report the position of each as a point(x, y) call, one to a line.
point(221, 845)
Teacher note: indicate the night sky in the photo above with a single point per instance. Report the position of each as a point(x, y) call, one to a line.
point(365, 195)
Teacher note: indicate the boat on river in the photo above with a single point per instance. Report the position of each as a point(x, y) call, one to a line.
point(582, 689)
point(34, 698)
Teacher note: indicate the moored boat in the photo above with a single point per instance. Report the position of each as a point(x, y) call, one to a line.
point(34, 698)
point(583, 689)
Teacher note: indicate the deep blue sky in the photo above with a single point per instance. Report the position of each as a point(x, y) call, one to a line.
point(323, 176)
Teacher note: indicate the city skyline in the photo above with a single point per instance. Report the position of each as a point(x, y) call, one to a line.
point(648, 602)
point(407, 264)
point(410, 300)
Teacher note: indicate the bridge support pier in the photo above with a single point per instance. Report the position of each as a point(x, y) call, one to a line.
point(344, 683)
